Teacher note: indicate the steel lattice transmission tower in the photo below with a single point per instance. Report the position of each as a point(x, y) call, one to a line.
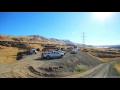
point(83, 39)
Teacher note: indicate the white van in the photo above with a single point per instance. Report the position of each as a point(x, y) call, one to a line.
point(33, 51)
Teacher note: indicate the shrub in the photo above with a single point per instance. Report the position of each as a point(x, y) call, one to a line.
point(78, 68)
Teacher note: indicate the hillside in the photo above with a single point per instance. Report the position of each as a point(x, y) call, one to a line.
point(36, 38)
point(11, 45)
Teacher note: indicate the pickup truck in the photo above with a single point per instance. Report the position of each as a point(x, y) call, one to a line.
point(53, 54)
point(61, 51)
point(74, 51)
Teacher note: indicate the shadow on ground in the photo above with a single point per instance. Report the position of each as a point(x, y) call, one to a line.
point(46, 59)
point(41, 59)
point(21, 54)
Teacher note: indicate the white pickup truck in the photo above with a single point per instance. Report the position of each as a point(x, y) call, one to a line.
point(74, 51)
point(53, 54)
point(61, 51)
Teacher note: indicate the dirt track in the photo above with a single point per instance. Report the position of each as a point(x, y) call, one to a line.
point(32, 66)
point(104, 70)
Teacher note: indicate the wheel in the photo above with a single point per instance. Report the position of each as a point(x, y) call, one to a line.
point(61, 56)
point(48, 57)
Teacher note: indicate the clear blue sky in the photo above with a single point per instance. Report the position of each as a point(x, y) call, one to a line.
point(99, 28)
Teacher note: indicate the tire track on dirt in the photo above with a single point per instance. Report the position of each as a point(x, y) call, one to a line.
point(100, 71)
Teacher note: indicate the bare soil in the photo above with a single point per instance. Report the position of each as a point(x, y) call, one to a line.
point(103, 70)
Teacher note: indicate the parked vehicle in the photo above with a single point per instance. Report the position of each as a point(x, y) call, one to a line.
point(74, 51)
point(57, 51)
point(69, 49)
point(52, 54)
point(33, 51)
point(61, 51)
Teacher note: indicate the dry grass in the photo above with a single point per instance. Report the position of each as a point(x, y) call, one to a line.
point(117, 67)
point(96, 57)
point(111, 59)
point(36, 46)
point(8, 54)
point(29, 39)
point(102, 59)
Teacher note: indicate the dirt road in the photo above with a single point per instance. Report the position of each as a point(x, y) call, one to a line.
point(104, 70)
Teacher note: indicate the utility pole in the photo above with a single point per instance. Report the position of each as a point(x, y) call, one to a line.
point(83, 38)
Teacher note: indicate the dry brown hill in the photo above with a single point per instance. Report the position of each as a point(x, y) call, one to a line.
point(35, 38)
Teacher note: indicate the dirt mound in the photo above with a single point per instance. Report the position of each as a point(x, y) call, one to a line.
point(67, 65)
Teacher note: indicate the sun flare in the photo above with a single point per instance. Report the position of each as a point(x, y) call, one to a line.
point(102, 15)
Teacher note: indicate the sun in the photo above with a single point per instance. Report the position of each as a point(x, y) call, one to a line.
point(102, 15)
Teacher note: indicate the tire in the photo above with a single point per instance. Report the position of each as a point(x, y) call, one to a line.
point(61, 56)
point(48, 57)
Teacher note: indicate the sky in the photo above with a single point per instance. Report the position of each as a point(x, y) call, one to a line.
point(100, 28)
